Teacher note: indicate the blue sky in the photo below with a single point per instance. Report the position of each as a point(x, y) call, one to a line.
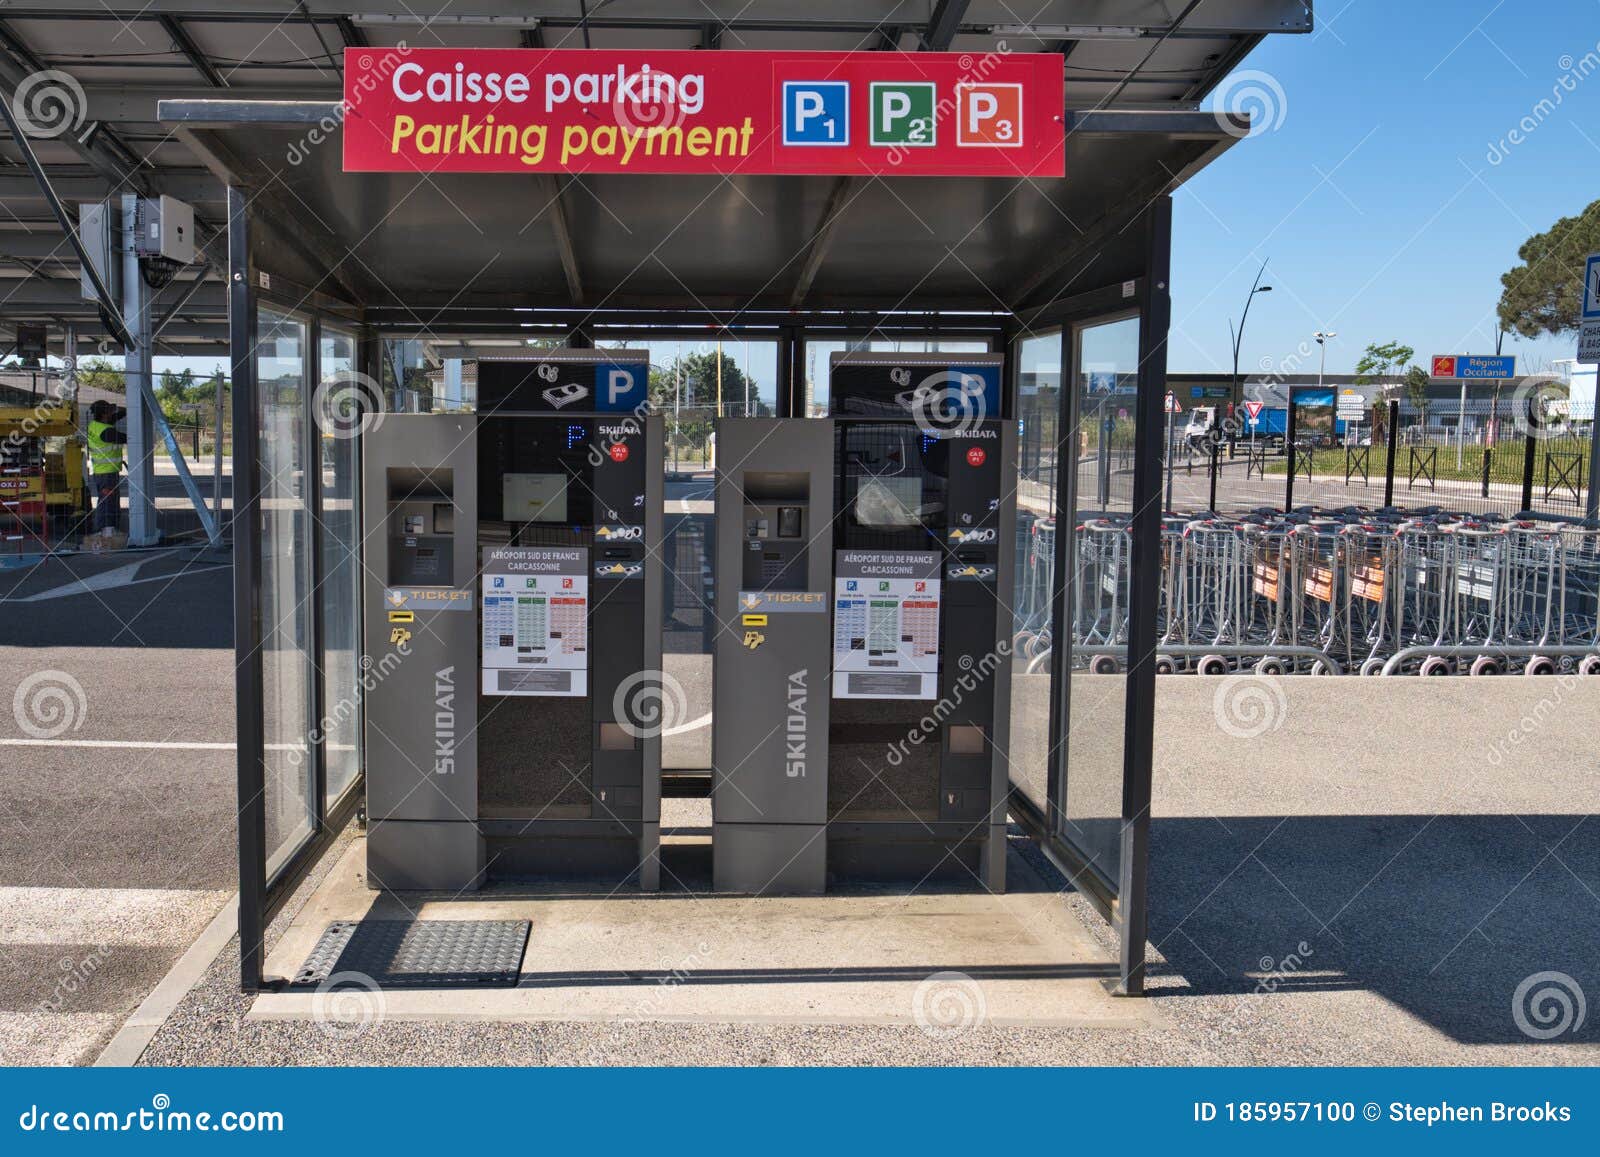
point(1372, 192)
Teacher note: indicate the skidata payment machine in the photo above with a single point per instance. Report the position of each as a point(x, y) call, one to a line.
point(513, 626)
point(862, 672)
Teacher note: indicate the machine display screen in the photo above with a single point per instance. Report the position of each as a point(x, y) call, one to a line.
point(535, 472)
point(535, 497)
point(892, 482)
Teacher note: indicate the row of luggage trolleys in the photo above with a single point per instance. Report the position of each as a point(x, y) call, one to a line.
point(1329, 592)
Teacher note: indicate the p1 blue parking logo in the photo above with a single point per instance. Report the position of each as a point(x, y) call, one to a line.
point(816, 112)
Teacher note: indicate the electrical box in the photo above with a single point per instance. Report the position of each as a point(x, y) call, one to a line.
point(166, 230)
point(95, 229)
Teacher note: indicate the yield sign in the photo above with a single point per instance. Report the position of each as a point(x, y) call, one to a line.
point(1253, 409)
point(1172, 403)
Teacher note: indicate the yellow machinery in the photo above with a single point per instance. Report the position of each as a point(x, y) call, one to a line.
point(41, 468)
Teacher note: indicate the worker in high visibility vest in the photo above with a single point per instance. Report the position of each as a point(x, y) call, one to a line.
point(105, 464)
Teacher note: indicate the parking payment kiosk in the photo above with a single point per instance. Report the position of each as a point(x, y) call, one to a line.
point(862, 668)
point(513, 623)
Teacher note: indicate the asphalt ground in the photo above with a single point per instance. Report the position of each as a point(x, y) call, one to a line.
point(116, 834)
point(1369, 879)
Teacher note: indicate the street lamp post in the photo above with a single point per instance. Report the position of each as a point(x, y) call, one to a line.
point(1237, 338)
point(1322, 337)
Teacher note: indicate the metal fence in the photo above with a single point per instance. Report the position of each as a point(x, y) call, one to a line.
point(1407, 464)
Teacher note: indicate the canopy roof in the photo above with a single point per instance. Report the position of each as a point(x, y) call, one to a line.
point(1135, 70)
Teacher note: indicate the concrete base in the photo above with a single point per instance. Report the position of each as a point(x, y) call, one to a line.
point(860, 956)
point(421, 855)
point(769, 859)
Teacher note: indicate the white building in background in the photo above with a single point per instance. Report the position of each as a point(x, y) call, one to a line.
point(1580, 388)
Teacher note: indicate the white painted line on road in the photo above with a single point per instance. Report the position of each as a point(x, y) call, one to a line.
point(147, 744)
point(95, 583)
point(179, 744)
point(144, 917)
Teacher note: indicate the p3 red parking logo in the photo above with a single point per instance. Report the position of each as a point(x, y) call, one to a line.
point(989, 116)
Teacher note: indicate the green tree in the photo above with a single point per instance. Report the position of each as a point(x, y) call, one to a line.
point(1544, 293)
point(1382, 359)
point(1416, 386)
point(100, 374)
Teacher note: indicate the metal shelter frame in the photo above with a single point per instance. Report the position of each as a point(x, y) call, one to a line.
point(1121, 897)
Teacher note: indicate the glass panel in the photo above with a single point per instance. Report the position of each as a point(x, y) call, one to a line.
point(817, 355)
point(1105, 381)
point(1038, 404)
point(684, 388)
point(285, 585)
point(339, 589)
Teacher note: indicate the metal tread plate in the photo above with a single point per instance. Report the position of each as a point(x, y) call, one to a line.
point(419, 953)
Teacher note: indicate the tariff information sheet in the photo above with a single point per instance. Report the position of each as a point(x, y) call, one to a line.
point(536, 621)
point(886, 624)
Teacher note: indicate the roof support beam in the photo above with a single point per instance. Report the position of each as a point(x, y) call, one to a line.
point(353, 36)
point(562, 229)
point(839, 198)
point(942, 26)
point(198, 59)
point(108, 304)
point(97, 145)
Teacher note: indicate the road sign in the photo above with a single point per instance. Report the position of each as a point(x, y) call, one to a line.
point(1591, 288)
point(1352, 407)
point(1253, 409)
point(1589, 343)
point(1172, 403)
point(1482, 366)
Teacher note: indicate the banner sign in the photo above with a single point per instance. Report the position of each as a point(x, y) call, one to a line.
point(1491, 366)
point(525, 110)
